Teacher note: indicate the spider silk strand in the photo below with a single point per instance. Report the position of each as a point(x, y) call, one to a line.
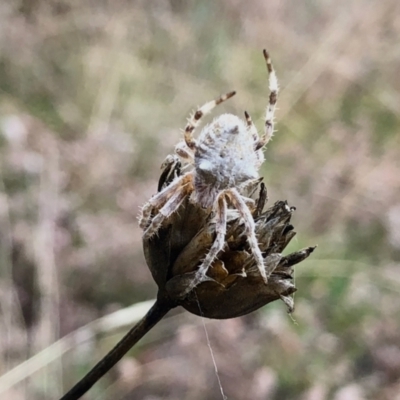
point(224, 397)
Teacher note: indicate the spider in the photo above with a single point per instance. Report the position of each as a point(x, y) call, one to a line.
point(227, 154)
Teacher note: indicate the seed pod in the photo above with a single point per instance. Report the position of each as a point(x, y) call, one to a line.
point(233, 285)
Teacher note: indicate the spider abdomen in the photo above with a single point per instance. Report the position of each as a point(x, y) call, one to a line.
point(224, 158)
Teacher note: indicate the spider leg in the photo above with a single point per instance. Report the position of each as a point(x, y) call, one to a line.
point(270, 110)
point(258, 142)
point(250, 203)
point(249, 225)
point(218, 245)
point(184, 152)
point(161, 198)
point(251, 127)
point(169, 207)
point(195, 278)
point(194, 119)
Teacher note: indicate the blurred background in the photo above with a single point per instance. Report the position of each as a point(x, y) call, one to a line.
point(93, 95)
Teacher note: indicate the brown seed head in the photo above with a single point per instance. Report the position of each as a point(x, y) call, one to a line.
point(233, 286)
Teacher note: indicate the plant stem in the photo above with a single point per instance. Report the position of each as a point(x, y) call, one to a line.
point(153, 316)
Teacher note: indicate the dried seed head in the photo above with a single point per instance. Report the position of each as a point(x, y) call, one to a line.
point(233, 286)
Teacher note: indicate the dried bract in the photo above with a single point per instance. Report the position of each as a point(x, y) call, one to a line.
point(233, 286)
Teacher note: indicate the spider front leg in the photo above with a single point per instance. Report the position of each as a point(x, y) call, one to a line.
point(194, 119)
point(249, 226)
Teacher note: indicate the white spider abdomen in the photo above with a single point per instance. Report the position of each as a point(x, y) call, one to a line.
point(224, 158)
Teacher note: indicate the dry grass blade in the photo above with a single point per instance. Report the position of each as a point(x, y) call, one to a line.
point(72, 341)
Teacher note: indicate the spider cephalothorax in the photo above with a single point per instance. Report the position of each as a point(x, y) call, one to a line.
point(225, 157)
point(227, 154)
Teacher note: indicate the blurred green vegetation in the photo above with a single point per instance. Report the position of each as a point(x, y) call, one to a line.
point(92, 99)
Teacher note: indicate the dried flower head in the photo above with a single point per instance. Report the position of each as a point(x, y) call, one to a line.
point(233, 285)
point(209, 243)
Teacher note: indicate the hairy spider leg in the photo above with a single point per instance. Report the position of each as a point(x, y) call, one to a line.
point(161, 198)
point(252, 128)
point(169, 208)
point(249, 226)
point(218, 244)
point(184, 152)
point(194, 119)
point(270, 110)
point(258, 142)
